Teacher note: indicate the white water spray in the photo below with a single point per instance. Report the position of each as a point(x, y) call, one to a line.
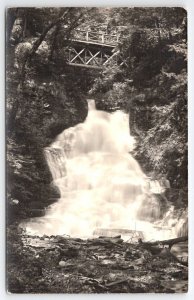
point(101, 184)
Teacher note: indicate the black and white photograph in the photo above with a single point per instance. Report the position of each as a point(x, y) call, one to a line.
point(96, 150)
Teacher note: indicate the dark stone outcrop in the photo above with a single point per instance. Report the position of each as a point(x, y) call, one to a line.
point(50, 105)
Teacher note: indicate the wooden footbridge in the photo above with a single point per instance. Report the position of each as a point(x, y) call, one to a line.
point(93, 50)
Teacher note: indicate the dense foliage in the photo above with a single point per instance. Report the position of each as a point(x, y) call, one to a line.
point(151, 83)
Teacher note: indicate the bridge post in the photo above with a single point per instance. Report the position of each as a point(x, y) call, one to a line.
point(87, 36)
point(103, 38)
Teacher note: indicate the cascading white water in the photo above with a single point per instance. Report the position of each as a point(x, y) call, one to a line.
point(101, 184)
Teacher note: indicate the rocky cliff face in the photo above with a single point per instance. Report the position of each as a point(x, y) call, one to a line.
point(48, 105)
point(162, 142)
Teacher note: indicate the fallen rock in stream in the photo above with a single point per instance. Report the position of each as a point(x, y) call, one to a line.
point(99, 265)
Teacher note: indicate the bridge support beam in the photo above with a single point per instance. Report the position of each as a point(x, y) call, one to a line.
point(91, 56)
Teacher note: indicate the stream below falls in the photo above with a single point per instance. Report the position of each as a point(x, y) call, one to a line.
point(102, 186)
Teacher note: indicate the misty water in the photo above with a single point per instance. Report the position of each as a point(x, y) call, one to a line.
point(102, 186)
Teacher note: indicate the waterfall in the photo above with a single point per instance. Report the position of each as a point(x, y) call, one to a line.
point(101, 184)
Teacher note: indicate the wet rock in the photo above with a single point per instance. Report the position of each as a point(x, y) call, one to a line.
point(114, 240)
point(139, 261)
point(62, 263)
point(70, 252)
point(66, 265)
point(129, 267)
point(107, 262)
point(117, 282)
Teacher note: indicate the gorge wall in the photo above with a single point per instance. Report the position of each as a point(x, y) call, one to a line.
point(49, 104)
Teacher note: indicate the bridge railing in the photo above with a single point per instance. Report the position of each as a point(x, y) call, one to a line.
point(96, 37)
